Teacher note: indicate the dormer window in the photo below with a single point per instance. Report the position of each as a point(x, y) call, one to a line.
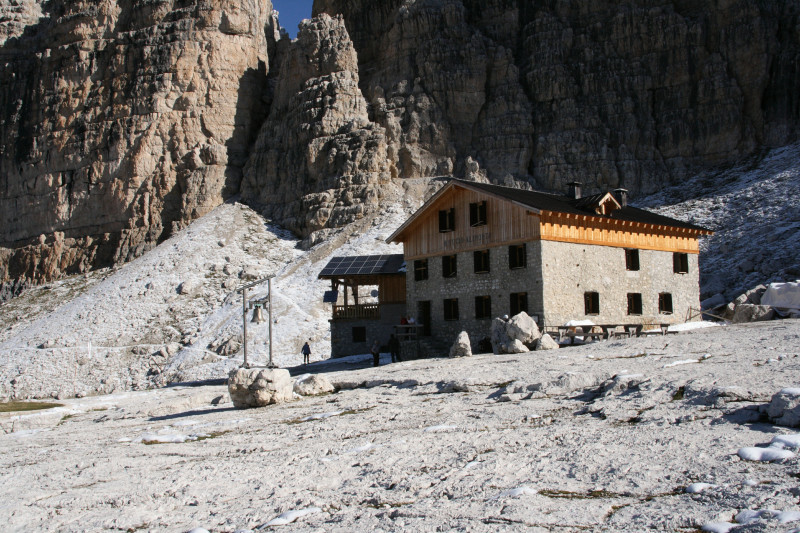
point(607, 204)
point(477, 214)
point(447, 220)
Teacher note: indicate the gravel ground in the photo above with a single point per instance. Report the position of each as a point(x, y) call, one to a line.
point(601, 437)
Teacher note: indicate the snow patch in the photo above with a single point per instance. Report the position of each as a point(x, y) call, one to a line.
point(764, 454)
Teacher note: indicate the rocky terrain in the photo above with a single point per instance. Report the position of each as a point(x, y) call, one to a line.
point(662, 433)
point(173, 315)
point(121, 122)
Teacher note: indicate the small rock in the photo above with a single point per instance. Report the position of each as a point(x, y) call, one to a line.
point(313, 385)
point(462, 347)
point(546, 342)
point(752, 313)
point(784, 408)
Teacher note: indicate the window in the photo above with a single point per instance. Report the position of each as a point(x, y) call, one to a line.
point(680, 263)
point(449, 266)
point(481, 258)
point(631, 259)
point(447, 220)
point(665, 303)
point(477, 214)
point(359, 334)
point(517, 258)
point(591, 303)
point(483, 307)
point(519, 302)
point(634, 303)
point(420, 269)
point(451, 309)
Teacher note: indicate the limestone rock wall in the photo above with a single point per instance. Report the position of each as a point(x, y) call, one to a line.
point(318, 161)
point(634, 95)
point(120, 121)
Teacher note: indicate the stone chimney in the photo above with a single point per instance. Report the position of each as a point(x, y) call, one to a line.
point(574, 190)
point(621, 195)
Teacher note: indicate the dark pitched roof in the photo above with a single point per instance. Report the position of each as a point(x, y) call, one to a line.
point(562, 204)
point(363, 265)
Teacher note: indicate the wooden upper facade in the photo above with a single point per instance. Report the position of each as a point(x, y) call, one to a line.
point(465, 216)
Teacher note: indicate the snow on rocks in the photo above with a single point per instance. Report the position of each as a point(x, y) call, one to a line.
point(697, 488)
point(312, 385)
point(257, 387)
point(786, 441)
point(462, 346)
point(767, 455)
point(784, 408)
point(290, 516)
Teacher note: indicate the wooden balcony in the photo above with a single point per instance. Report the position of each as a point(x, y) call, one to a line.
point(362, 311)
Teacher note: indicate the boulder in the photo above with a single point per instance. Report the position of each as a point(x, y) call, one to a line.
point(312, 385)
point(523, 328)
point(546, 342)
point(511, 336)
point(462, 346)
point(752, 313)
point(257, 387)
point(515, 346)
point(784, 408)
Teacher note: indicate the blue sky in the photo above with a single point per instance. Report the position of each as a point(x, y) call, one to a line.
point(292, 12)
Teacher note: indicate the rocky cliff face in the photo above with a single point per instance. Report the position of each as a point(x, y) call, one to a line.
point(318, 161)
point(633, 95)
point(119, 121)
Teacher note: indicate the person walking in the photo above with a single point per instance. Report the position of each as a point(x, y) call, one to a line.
point(376, 354)
point(394, 348)
point(306, 351)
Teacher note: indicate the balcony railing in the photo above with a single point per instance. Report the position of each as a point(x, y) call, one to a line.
point(356, 311)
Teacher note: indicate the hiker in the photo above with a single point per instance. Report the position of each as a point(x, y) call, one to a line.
point(394, 348)
point(306, 351)
point(376, 354)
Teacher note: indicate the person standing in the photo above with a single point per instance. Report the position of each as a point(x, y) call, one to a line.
point(376, 354)
point(394, 348)
point(306, 351)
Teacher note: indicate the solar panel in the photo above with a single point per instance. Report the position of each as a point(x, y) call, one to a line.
point(363, 265)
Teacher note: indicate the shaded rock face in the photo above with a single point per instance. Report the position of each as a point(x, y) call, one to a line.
point(120, 121)
point(636, 96)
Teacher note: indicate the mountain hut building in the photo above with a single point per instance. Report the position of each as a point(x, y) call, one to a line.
point(476, 251)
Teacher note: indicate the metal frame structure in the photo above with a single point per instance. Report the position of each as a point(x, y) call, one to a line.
point(243, 291)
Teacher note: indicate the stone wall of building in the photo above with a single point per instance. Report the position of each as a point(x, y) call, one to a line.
point(499, 283)
point(571, 270)
point(342, 343)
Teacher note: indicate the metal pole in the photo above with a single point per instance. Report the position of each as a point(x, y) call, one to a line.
point(269, 302)
point(244, 322)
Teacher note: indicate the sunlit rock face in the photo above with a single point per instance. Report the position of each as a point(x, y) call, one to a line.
point(120, 121)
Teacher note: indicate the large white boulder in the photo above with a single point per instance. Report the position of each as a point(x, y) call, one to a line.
point(462, 346)
point(257, 387)
point(523, 328)
point(312, 385)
